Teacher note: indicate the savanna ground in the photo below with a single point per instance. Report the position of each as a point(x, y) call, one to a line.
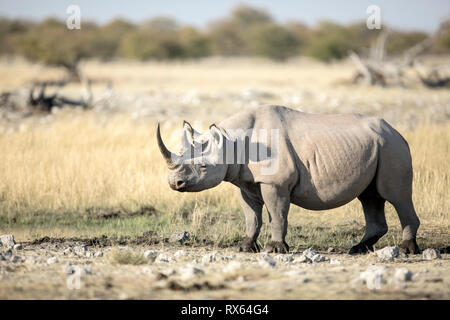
point(97, 177)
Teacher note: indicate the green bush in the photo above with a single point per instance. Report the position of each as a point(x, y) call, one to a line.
point(246, 31)
point(331, 41)
point(270, 40)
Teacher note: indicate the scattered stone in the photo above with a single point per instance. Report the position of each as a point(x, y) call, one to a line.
point(163, 258)
point(2, 258)
point(232, 267)
point(318, 258)
point(334, 261)
point(151, 254)
point(313, 256)
point(7, 240)
point(181, 253)
point(190, 272)
point(310, 252)
point(230, 258)
point(7, 254)
point(98, 254)
point(18, 246)
point(67, 251)
point(302, 259)
point(388, 253)
point(285, 258)
point(266, 261)
point(52, 260)
point(431, 254)
point(168, 272)
point(403, 274)
point(331, 249)
point(89, 254)
point(80, 250)
point(209, 257)
point(16, 259)
point(30, 260)
point(179, 236)
point(373, 277)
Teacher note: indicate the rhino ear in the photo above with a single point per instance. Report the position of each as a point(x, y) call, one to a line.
point(188, 135)
point(216, 135)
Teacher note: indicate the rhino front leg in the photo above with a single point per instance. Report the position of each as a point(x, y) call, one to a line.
point(252, 206)
point(277, 201)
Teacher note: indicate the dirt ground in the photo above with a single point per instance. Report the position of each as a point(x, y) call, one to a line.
point(70, 270)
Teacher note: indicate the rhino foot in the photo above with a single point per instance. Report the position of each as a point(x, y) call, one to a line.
point(409, 246)
point(249, 245)
point(277, 247)
point(360, 248)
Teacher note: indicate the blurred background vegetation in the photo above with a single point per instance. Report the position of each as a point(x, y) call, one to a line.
point(246, 31)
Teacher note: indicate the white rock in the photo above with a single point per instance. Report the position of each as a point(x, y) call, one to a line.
point(80, 250)
point(67, 251)
point(98, 254)
point(266, 261)
point(431, 254)
point(334, 261)
point(190, 272)
point(285, 258)
point(168, 272)
point(7, 240)
point(309, 253)
point(318, 258)
point(151, 254)
point(163, 258)
point(387, 253)
point(30, 260)
point(374, 277)
point(180, 254)
point(403, 274)
point(209, 257)
point(18, 246)
point(302, 259)
point(232, 267)
point(89, 254)
point(16, 259)
point(52, 260)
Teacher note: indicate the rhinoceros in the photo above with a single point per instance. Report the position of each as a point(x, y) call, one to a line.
point(277, 156)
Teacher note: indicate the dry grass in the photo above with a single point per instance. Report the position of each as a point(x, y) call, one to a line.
point(121, 256)
point(59, 179)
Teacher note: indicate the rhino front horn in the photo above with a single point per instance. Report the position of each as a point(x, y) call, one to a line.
point(168, 156)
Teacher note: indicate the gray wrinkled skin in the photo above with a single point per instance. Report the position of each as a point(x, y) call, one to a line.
point(324, 161)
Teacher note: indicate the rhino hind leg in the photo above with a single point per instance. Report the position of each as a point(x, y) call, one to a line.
point(376, 227)
point(410, 223)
